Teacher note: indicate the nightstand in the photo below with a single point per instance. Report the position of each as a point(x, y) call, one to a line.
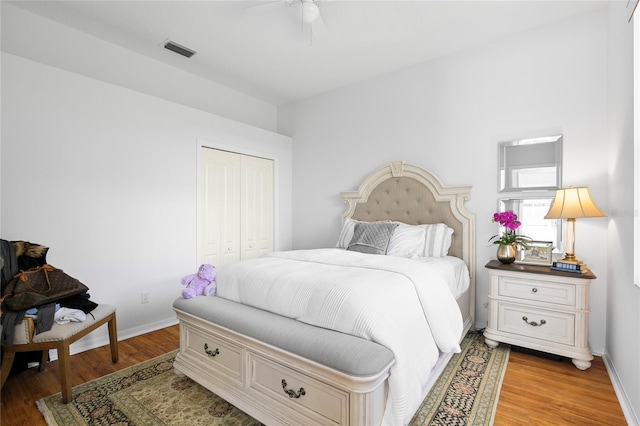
point(537, 308)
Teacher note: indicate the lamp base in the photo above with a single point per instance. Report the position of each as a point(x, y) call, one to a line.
point(571, 258)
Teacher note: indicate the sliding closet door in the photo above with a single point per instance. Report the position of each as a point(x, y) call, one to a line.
point(237, 207)
point(221, 207)
point(257, 207)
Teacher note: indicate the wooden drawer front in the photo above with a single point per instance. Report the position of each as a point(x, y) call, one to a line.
point(535, 290)
point(321, 402)
point(558, 327)
point(219, 355)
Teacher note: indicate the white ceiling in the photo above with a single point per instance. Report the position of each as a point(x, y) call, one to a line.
point(260, 48)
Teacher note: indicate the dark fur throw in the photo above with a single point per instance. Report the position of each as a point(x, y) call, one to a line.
point(25, 248)
point(30, 254)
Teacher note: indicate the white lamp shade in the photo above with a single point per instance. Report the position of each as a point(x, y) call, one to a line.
point(571, 203)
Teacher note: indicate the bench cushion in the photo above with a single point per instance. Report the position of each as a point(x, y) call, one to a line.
point(349, 354)
point(65, 331)
point(25, 330)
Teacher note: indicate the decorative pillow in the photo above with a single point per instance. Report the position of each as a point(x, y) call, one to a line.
point(371, 238)
point(407, 241)
point(346, 234)
point(437, 240)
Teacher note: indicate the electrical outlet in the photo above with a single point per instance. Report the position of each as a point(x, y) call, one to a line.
point(145, 297)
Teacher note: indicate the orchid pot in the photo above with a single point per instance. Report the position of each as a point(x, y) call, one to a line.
point(508, 242)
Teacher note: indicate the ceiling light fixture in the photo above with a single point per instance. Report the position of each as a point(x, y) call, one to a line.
point(310, 11)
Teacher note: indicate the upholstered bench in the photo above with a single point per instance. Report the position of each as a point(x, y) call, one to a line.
point(279, 370)
point(60, 337)
point(351, 355)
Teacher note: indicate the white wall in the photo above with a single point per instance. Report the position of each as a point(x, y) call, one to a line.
point(31, 36)
point(106, 177)
point(574, 78)
point(623, 297)
point(448, 116)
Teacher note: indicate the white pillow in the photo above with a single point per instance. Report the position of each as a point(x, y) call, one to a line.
point(407, 241)
point(437, 240)
point(346, 234)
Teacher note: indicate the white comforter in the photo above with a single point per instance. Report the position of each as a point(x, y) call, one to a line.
point(400, 303)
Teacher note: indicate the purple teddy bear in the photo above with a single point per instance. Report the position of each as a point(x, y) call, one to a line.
point(202, 283)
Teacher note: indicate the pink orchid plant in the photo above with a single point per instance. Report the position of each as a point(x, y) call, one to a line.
point(509, 220)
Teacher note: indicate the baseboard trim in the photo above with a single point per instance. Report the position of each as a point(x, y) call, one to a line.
point(95, 340)
point(627, 408)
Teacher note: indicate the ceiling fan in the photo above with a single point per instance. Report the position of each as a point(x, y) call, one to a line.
point(311, 18)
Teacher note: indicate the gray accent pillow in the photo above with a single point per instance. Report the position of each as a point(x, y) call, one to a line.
point(372, 237)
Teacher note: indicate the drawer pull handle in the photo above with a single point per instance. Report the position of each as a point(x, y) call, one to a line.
point(211, 353)
point(534, 290)
point(533, 323)
point(291, 392)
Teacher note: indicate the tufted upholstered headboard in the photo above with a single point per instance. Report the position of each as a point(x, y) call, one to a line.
point(408, 193)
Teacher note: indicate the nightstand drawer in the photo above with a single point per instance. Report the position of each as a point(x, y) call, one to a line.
point(542, 324)
point(537, 290)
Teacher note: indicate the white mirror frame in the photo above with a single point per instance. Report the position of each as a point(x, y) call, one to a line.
point(506, 204)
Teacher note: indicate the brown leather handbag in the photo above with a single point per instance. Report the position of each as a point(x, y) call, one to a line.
point(38, 286)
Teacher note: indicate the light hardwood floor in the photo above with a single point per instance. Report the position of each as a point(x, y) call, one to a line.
point(535, 391)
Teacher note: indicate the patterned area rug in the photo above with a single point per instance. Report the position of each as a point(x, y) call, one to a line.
point(467, 391)
point(150, 393)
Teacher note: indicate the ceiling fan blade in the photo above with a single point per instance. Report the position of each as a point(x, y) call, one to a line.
point(319, 29)
point(312, 29)
point(264, 7)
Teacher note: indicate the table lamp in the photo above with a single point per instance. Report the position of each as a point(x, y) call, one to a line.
point(571, 203)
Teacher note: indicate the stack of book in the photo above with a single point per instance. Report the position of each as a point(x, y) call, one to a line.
point(578, 268)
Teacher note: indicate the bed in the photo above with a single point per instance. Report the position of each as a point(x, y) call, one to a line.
point(343, 336)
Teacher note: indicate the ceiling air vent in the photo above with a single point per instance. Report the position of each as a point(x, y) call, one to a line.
point(175, 47)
